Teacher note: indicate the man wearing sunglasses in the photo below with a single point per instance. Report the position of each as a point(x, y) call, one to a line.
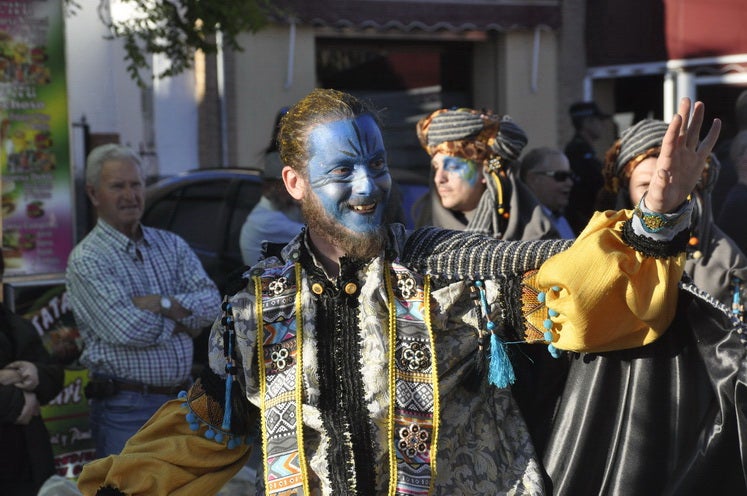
point(548, 174)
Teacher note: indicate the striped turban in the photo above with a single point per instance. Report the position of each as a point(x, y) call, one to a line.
point(644, 140)
point(472, 135)
point(640, 141)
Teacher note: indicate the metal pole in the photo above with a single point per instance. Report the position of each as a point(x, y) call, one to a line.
point(221, 79)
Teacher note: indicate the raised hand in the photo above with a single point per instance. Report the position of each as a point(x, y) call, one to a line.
point(682, 158)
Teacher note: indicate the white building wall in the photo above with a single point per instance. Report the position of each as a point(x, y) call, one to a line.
point(175, 123)
point(265, 84)
point(516, 74)
point(100, 89)
point(531, 84)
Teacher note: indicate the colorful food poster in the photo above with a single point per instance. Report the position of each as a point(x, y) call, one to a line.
point(34, 140)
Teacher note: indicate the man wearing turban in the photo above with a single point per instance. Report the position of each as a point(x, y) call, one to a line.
point(474, 187)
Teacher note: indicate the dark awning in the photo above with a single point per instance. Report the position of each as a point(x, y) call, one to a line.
point(426, 15)
point(622, 32)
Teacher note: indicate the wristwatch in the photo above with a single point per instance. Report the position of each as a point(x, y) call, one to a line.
point(165, 303)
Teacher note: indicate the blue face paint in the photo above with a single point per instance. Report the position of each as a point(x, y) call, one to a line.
point(466, 170)
point(348, 172)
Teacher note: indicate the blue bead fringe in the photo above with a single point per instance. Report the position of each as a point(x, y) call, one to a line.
point(216, 434)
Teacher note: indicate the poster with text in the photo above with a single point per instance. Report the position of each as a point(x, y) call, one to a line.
point(34, 140)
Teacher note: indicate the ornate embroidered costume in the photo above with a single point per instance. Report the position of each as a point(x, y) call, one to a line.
point(369, 383)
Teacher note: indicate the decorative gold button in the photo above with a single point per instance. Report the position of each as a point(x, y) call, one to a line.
point(351, 288)
point(317, 288)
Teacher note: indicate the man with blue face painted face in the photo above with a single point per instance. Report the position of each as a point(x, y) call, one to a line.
point(375, 358)
point(348, 175)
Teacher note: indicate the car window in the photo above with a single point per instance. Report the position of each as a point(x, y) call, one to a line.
point(246, 198)
point(200, 215)
point(159, 213)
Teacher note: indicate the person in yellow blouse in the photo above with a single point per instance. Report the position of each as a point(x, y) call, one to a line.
point(370, 360)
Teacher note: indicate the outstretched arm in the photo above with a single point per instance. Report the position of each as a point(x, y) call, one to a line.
point(682, 158)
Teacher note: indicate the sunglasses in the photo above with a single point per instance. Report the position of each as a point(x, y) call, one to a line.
point(559, 176)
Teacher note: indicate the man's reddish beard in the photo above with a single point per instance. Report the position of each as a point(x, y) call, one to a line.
point(354, 244)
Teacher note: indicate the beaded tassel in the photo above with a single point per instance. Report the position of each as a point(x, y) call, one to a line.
point(547, 323)
point(500, 372)
point(228, 339)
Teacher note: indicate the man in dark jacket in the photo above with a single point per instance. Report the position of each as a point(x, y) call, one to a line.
point(28, 379)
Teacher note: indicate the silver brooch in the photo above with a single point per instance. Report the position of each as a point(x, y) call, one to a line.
point(278, 285)
point(281, 359)
point(413, 440)
point(406, 286)
point(414, 357)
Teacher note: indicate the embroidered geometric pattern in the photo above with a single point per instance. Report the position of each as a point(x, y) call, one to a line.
point(415, 383)
point(284, 478)
point(277, 332)
point(414, 397)
point(410, 310)
point(278, 386)
point(414, 479)
point(283, 465)
point(284, 473)
point(281, 421)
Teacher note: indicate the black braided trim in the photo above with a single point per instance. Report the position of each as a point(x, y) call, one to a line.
point(458, 255)
point(109, 491)
point(652, 248)
point(245, 415)
point(343, 410)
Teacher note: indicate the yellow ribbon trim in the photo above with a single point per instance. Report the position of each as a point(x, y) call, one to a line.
point(298, 390)
point(393, 478)
point(261, 365)
point(392, 383)
point(299, 381)
point(434, 379)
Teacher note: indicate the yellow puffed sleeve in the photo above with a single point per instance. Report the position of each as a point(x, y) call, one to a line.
point(166, 457)
point(603, 295)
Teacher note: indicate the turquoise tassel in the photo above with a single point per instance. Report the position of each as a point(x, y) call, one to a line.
point(227, 408)
point(501, 372)
point(230, 369)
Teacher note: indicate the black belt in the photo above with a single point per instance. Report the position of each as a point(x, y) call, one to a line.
point(148, 389)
